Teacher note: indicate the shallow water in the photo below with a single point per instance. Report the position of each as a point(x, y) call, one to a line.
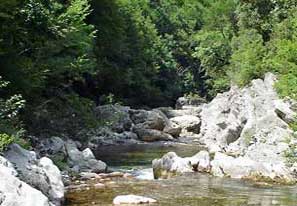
point(188, 190)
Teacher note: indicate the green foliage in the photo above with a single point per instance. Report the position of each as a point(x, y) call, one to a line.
point(282, 56)
point(5, 140)
point(9, 112)
point(45, 40)
point(214, 52)
point(293, 126)
point(62, 56)
point(83, 108)
point(60, 161)
point(246, 61)
point(24, 143)
point(291, 154)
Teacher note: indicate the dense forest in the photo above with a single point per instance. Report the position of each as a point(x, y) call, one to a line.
point(58, 54)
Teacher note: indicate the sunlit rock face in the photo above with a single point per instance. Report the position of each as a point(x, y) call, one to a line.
point(41, 174)
point(14, 191)
point(250, 123)
point(171, 164)
point(247, 132)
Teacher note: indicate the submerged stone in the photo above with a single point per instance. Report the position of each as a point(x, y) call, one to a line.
point(132, 199)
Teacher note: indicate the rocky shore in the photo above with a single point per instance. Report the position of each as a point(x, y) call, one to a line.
point(246, 134)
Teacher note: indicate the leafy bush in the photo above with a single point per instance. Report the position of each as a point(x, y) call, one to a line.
point(247, 58)
point(10, 126)
point(5, 140)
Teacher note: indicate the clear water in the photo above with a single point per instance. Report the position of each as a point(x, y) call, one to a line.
point(188, 190)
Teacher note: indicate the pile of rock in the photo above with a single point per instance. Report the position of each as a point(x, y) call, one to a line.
point(123, 125)
point(68, 152)
point(27, 180)
point(247, 132)
point(221, 165)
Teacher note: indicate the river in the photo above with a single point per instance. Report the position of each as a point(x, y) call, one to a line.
point(187, 190)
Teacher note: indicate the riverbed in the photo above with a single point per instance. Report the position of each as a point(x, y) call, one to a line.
point(187, 190)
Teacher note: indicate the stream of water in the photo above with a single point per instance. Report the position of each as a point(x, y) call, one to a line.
point(187, 190)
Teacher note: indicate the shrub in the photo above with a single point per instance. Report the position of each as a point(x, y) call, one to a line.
point(5, 140)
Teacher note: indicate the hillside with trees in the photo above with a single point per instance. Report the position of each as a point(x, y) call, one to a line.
point(62, 57)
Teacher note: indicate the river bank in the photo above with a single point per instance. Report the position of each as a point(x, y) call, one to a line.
point(245, 133)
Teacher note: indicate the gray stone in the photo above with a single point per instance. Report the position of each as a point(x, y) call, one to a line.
point(170, 113)
point(116, 116)
point(189, 101)
point(244, 167)
point(171, 164)
point(150, 135)
point(47, 179)
point(284, 111)
point(84, 161)
point(56, 191)
point(51, 146)
point(148, 119)
point(248, 131)
point(104, 136)
point(132, 199)
point(188, 123)
point(17, 193)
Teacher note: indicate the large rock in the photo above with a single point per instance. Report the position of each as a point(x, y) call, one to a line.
point(151, 135)
point(189, 101)
point(14, 192)
point(115, 116)
point(284, 110)
point(105, 136)
point(132, 199)
point(188, 123)
point(170, 113)
point(244, 167)
point(83, 161)
point(171, 164)
point(41, 174)
point(56, 192)
point(7, 166)
point(148, 119)
point(170, 127)
point(248, 131)
point(51, 146)
point(241, 119)
point(153, 125)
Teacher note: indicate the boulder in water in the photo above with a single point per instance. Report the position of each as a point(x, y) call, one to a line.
point(132, 199)
point(171, 164)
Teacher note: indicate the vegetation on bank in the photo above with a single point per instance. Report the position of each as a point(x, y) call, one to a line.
point(63, 57)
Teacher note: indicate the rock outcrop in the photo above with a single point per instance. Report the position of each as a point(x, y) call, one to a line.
point(188, 123)
point(41, 174)
point(67, 152)
point(116, 116)
point(15, 192)
point(251, 124)
point(246, 130)
point(27, 180)
point(246, 168)
point(123, 125)
point(83, 161)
